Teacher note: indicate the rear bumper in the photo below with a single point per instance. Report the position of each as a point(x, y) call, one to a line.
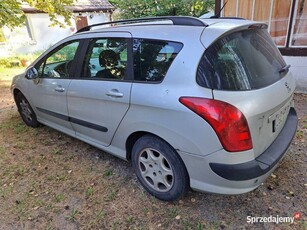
point(266, 161)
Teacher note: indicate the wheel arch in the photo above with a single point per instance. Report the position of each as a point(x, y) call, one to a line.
point(133, 137)
point(15, 92)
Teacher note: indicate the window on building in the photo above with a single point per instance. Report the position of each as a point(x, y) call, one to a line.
point(286, 19)
point(30, 28)
point(279, 22)
point(299, 37)
point(275, 13)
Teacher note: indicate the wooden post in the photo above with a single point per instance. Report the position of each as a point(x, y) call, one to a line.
point(218, 6)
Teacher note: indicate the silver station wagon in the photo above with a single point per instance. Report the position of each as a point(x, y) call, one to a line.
point(193, 103)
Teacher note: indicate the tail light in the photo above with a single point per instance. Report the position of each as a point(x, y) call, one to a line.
point(227, 121)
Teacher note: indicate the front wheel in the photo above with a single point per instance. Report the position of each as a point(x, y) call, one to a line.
point(159, 168)
point(25, 110)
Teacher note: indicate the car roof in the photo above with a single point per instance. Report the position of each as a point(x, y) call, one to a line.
point(169, 21)
point(169, 28)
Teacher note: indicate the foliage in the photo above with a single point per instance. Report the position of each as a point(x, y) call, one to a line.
point(12, 16)
point(9, 62)
point(2, 37)
point(141, 8)
point(16, 60)
point(64, 54)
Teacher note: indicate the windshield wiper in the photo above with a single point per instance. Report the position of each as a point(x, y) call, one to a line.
point(284, 69)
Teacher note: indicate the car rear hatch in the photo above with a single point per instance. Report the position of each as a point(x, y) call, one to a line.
point(245, 69)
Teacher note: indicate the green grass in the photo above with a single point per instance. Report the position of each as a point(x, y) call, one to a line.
point(57, 151)
point(6, 74)
point(107, 172)
point(111, 196)
point(173, 212)
point(20, 128)
point(2, 150)
point(73, 215)
point(130, 219)
point(89, 191)
point(58, 198)
point(299, 134)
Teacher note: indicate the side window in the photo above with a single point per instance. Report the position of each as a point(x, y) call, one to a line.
point(153, 58)
point(57, 64)
point(106, 58)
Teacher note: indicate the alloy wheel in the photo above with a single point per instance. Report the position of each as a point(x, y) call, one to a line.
point(156, 170)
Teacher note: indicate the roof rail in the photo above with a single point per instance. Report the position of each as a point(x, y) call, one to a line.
point(177, 20)
point(238, 18)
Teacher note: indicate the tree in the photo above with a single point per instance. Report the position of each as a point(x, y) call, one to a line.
point(12, 16)
point(143, 8)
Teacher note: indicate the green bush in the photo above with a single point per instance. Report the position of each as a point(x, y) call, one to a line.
point(3, 62)
point(9, 62)
point(18, 60)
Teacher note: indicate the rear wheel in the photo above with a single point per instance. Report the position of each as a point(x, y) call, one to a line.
point(25, 110)
point(159, 168)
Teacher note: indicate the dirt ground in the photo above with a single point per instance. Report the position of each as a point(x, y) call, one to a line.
point(52, 181)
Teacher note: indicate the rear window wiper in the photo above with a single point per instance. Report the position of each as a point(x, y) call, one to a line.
point(284, 69)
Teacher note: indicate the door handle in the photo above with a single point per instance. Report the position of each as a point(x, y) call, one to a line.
point(59, 88)
point(114, 93)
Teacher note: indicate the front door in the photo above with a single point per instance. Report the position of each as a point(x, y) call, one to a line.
point(48, 92)
point(99, 99)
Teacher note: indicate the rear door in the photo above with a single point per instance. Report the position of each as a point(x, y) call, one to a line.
point(97, 102)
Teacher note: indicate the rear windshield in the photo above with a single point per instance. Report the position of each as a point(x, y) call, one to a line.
point(243, 60)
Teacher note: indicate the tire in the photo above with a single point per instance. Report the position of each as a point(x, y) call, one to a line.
point(25, 110)
point(159, 168)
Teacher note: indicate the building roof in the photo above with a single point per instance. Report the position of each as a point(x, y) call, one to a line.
point(78, 6)
point(91, 5)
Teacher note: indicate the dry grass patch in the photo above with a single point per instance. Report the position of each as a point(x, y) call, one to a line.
point(52, 181)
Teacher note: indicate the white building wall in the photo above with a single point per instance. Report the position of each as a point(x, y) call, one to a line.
point(44, 36)
point(299, 71)
point(97, 18)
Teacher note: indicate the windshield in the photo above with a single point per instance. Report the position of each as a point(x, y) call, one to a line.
point(243, 60)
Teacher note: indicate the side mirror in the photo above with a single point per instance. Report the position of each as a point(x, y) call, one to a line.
point(31, 73)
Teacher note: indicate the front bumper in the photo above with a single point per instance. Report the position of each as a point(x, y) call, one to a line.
point(266, 161)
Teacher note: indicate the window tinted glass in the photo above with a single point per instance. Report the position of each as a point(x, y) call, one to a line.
point(243, 60)
point(106, 58)
point(57, 64)
point(153, 58)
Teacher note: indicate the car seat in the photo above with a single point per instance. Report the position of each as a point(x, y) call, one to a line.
point(109, 60)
